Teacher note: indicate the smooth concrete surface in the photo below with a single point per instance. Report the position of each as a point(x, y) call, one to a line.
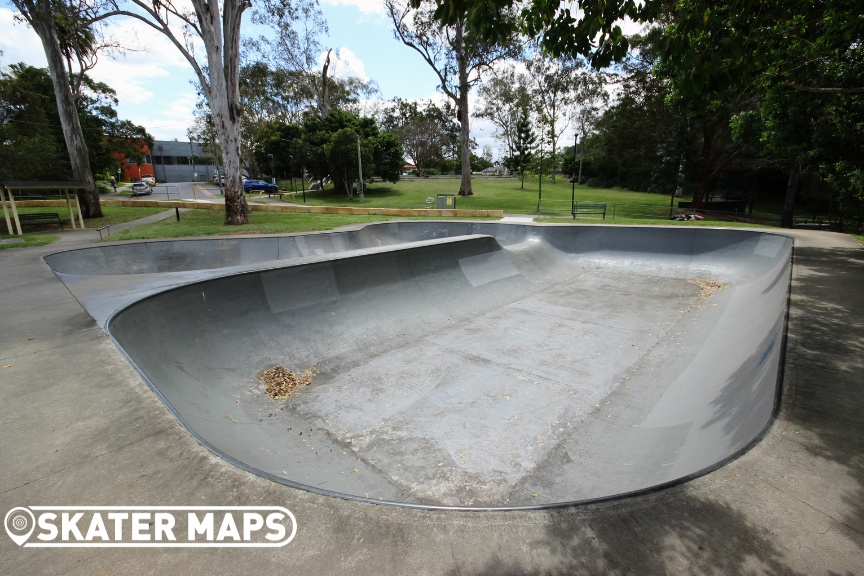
point(80, 427)
point(566, 364)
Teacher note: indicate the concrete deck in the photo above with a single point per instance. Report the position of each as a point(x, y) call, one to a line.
point(78, 426)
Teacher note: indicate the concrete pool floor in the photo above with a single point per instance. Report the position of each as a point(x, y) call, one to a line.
point(80, 427)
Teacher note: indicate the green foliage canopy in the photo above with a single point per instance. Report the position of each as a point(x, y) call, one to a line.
point(32, 146)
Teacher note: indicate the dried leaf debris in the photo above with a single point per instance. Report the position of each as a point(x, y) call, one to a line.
point(280, 383)
point(707, 288)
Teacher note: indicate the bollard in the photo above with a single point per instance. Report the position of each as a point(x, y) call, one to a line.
point(177, 213)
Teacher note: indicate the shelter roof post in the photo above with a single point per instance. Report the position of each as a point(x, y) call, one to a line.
point(69, 207)
point(5, 209)
point(78, 207)
point(14, 213)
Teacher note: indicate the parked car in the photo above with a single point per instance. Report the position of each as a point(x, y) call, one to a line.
point(149, 179)
point(141, 189)
point(250, 185)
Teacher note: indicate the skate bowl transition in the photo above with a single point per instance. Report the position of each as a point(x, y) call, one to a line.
point(459, 365)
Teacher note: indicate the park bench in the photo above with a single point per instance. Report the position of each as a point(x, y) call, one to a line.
point(813, 224)
point(50, 217)
point(589, 208)
point(280, 193)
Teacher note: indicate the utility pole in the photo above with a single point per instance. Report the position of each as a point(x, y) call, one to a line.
point(573, 188)
point(192, 158)
point(540, 181)
point(360, 169)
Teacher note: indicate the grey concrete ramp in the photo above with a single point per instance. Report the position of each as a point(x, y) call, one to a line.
point(460, 365)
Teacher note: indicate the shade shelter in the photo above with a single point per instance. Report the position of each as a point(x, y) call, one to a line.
point(41, 189)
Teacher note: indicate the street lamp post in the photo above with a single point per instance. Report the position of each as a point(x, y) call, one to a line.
point(192, 158)
point(161, 161)
point(540, 179)
point(573, 187)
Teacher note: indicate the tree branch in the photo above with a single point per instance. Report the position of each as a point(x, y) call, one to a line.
point(162, 27)
point(832, 90)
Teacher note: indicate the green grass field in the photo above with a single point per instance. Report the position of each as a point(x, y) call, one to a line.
point(504, 194)
point(112, 215)
point(27, 240)
point(490, 194)
point(212, 222)
point(38, 235)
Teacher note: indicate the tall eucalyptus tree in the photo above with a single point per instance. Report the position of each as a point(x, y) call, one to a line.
point(457, 56)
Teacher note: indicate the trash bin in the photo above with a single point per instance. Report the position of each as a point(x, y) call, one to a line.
point(445, 202)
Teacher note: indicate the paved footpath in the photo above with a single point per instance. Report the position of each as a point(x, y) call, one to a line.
point(78, 426)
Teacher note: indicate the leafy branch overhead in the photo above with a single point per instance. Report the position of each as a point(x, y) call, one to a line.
point(588, 29)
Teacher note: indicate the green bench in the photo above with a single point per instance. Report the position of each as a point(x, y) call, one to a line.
point(589, 208)
point(49, 217)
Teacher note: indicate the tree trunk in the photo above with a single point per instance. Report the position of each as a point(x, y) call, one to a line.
point(223, 95)
point(581, 157)
point(462, 113)
point(554, 156)
point(465, 140)
point(324, 96)
point(79, 156)
point(786, 220)
point(228, 128)
point(705, 171)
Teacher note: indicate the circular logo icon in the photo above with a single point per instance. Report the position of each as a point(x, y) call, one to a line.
point(19, 523)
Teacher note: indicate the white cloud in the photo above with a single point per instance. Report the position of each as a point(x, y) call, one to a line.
point(171, 120)
point(19, 43)
point(149, 55)
point(366, 7)
point(344, 63)
point(629, 27)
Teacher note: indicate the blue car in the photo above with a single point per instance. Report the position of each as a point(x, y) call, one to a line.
point(250, 185)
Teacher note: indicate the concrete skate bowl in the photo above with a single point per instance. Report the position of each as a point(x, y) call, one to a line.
point(470, 366)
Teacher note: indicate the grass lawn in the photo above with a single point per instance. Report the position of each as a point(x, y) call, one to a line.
point(27, 240)
point(504, 194)
point(649, 222)
point(489, 194)
point(212, 223)
point(112, 215)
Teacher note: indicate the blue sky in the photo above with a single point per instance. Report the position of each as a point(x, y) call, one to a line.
point(398, 70)
point(153, 81)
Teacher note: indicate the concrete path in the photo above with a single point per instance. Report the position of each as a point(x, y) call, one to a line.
point(79, 427)
point(146, 220)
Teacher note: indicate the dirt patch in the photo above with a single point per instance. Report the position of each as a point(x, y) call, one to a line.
point(280, 383)
point(707, 288)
